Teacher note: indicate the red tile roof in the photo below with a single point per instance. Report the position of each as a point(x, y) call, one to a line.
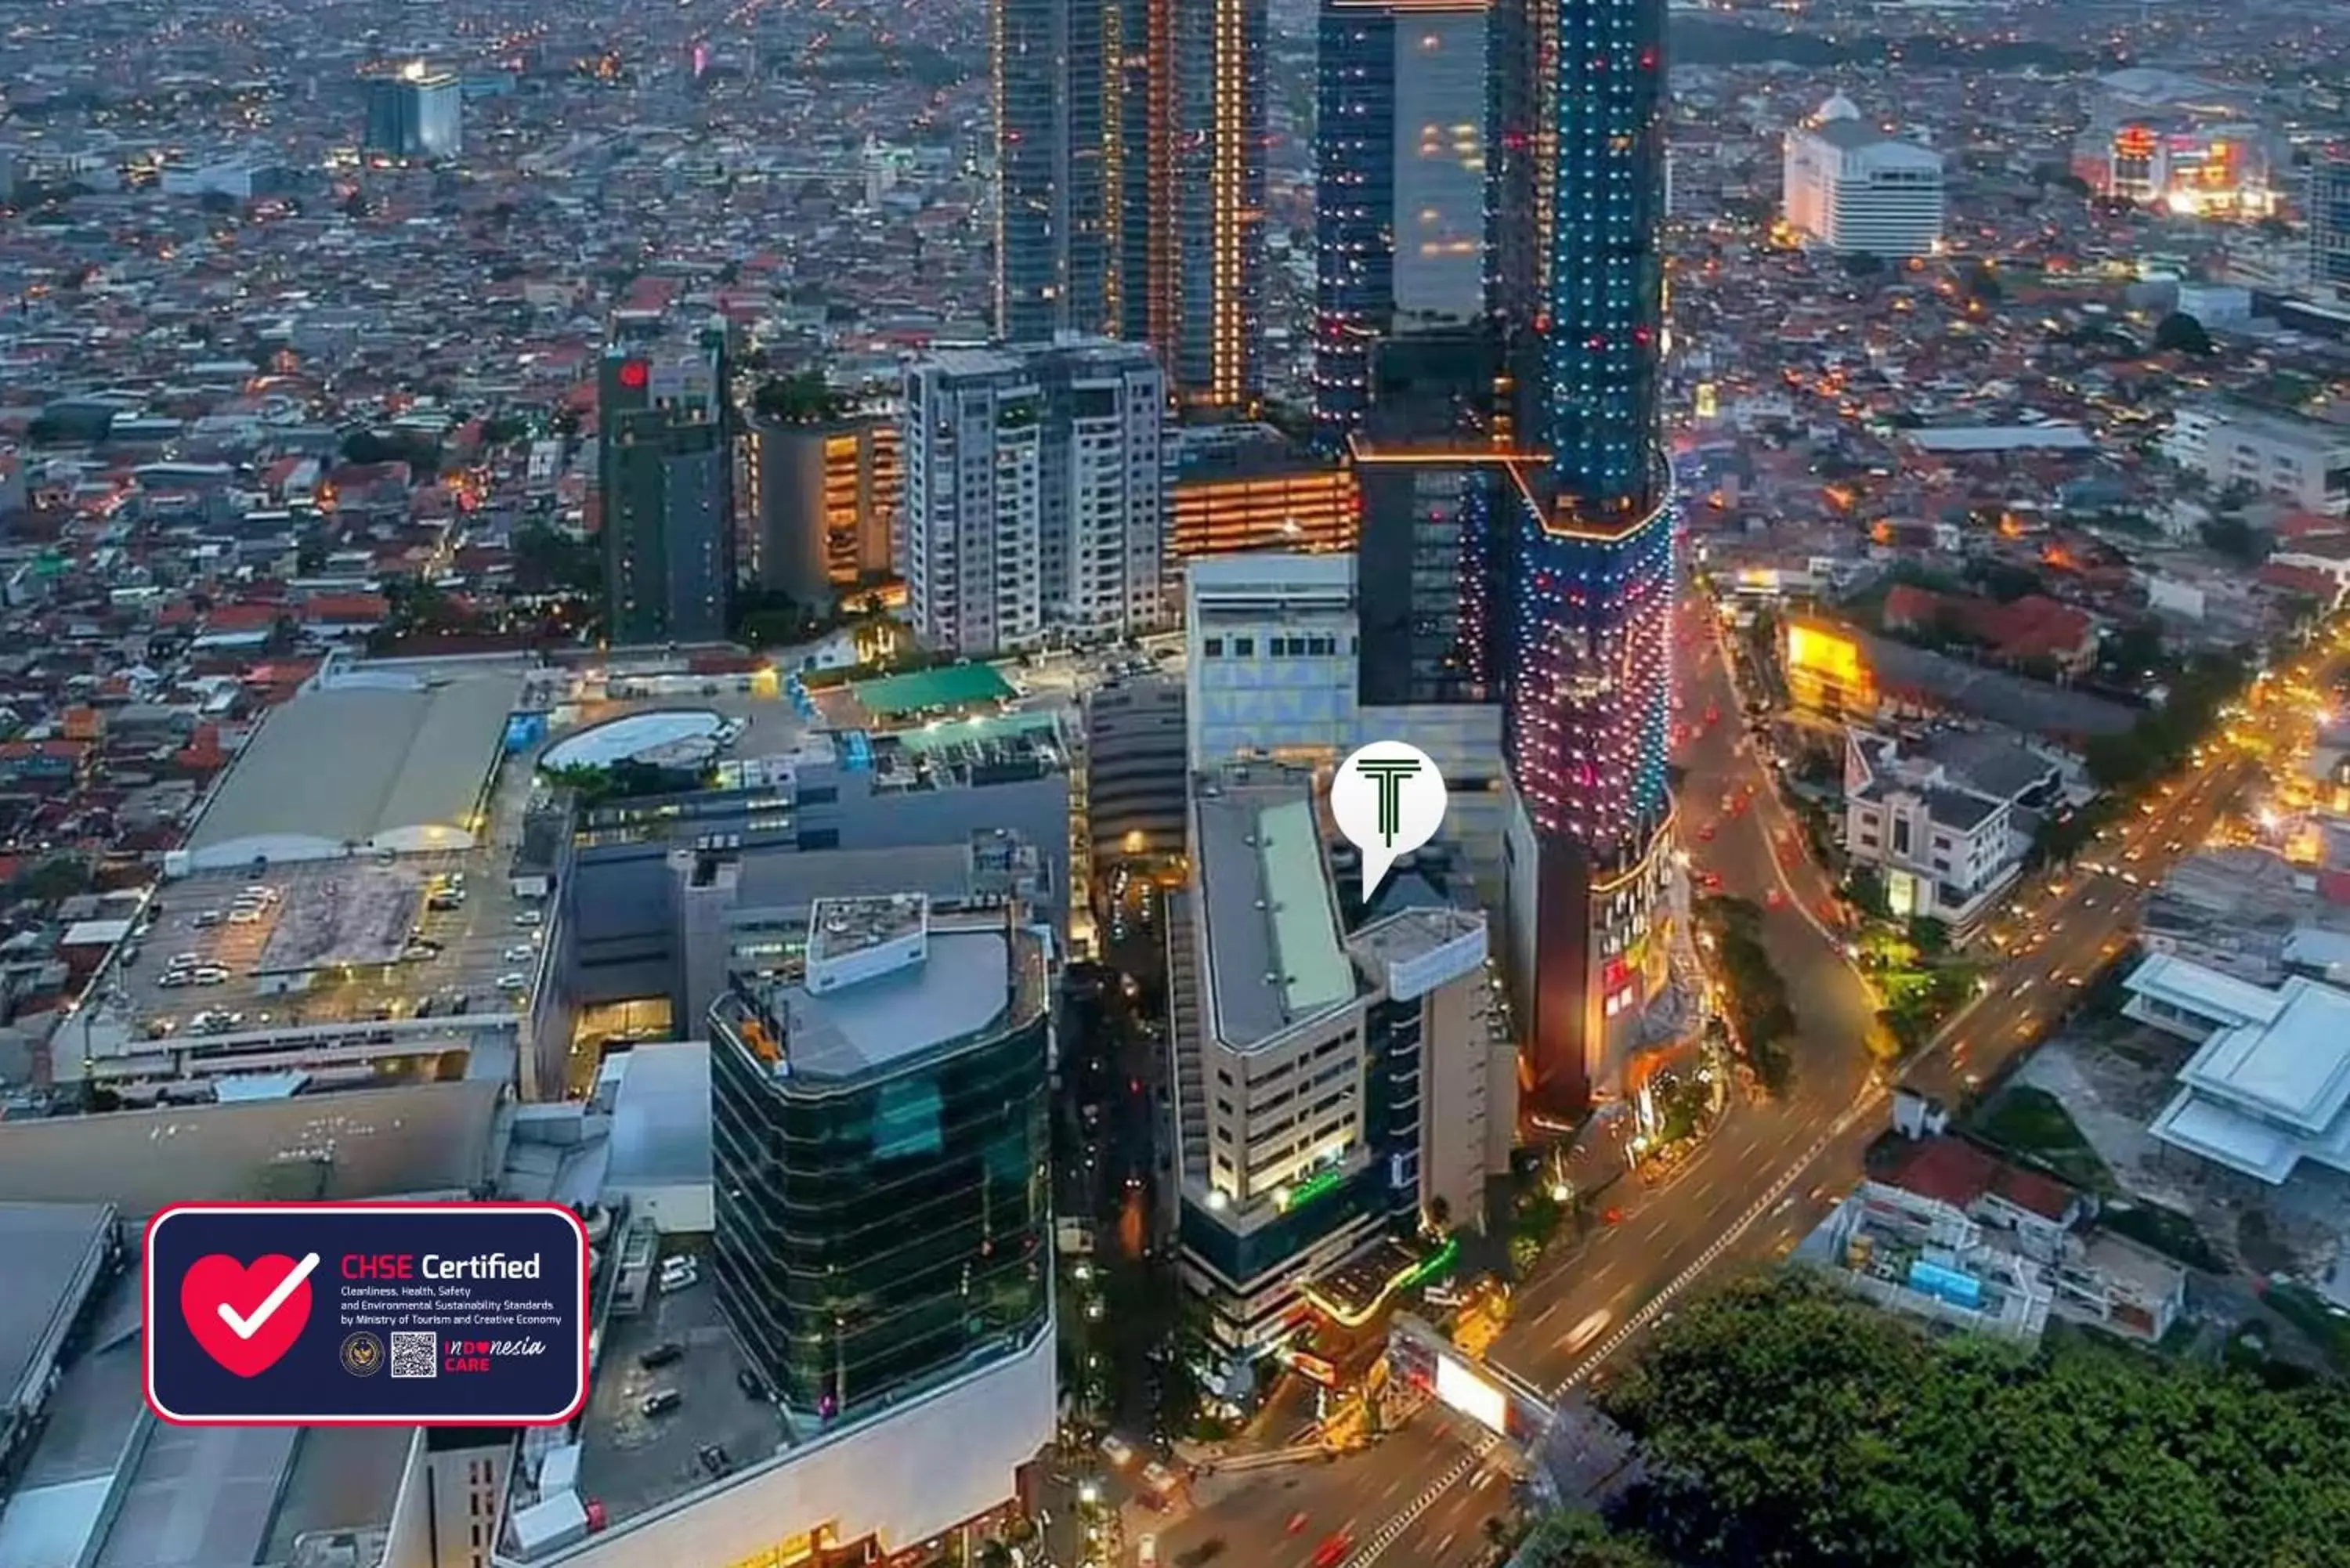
point(1956, 1172)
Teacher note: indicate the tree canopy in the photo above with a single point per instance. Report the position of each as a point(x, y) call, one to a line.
point(1791, 1425)
point(2179, 332)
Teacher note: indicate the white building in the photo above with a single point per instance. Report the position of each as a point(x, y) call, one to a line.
point(2270, 1085)
point(1945, 840)
point(1269, 656)
point(1329, 1088)
point(1853, 189)
point(2304, 461)
point(1035, 495)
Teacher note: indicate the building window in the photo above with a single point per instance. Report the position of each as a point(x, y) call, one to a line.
point(1243, 647)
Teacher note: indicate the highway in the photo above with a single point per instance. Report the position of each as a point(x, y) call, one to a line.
point(1771, 1173)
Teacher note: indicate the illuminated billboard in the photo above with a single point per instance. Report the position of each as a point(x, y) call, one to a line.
point(1826, 671)
point(1467, 1392)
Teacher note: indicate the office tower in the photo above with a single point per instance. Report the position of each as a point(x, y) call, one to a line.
point(826, 484)
point(416, 112)
point(664, 473)
point(1035, 490)
point(1130, 182)
point(1853, 189)
point(1330, 1086)
point(1190, 193)
point(878, 1154)
point(1428, 473)
point(1521, 83)
point(1282, 663)
point(1587, 691)
point(1031, 93)
point(2329, 220)
point(1399, 194)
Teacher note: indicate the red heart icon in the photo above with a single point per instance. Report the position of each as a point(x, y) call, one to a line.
point(245, 1290)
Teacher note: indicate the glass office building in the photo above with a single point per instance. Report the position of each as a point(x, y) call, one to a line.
point(1399, 189)
point(879, 1153)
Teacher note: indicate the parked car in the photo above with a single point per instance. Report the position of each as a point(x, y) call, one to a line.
point(662, 1402)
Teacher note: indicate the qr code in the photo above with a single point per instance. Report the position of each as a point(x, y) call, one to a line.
point(414, 1354)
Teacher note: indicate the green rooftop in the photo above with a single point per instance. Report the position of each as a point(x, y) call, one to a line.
point(925, 690)
point(1314, 968)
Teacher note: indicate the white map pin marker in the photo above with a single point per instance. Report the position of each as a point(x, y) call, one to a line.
point(1388, 799)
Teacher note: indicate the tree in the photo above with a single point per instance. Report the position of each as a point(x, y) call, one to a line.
point(1575, 1540)
point(2228, 534)
point(802, 397)
point(60, 877)
point(1788, 1426)
point(550, 562)
point(2179, 332)
point(1864, 887)
point(1930, 936)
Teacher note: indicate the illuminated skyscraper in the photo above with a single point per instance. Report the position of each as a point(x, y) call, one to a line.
point(1130, 167)
point(1399, 197)
point(1588, 688)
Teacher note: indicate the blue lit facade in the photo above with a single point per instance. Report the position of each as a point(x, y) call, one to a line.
point(1589, 693)
point(1354, 210)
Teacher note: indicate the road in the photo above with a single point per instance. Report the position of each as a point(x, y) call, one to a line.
point(1772, 1171)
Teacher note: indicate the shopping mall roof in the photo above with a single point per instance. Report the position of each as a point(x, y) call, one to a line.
point(357, 1143)
point(360, 763)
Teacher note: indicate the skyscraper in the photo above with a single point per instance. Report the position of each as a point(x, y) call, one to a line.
point(1130, 170)
point(2329, 220)
point(878, 1154)
point(1399, 193)
point(1587, 691)
point(664, 475)
point(1522, 158)
point(1036, 487)
point(416, 112)
point(1027, 53)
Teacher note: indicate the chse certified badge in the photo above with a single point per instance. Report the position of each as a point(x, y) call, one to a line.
point(362, 1354)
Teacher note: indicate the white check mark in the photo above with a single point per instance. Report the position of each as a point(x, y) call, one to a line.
point(246, 1327)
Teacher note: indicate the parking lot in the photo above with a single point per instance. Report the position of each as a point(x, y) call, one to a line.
point(312, 949)
point(632, 1462)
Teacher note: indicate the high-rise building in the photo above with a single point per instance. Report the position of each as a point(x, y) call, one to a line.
point(1035, 492)
point(1522, 84)
point(2329, 221)
point(880, 1153)
point(1130, 182)
point(1587, 688)
point(825, 485)
point(1330, 1086)
point(1853, 189)
point(1399, 194)
point(416, 112)
point(1028, 49)
point(664, 473)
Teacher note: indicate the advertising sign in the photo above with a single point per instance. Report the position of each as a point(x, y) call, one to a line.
point(357, 1314)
